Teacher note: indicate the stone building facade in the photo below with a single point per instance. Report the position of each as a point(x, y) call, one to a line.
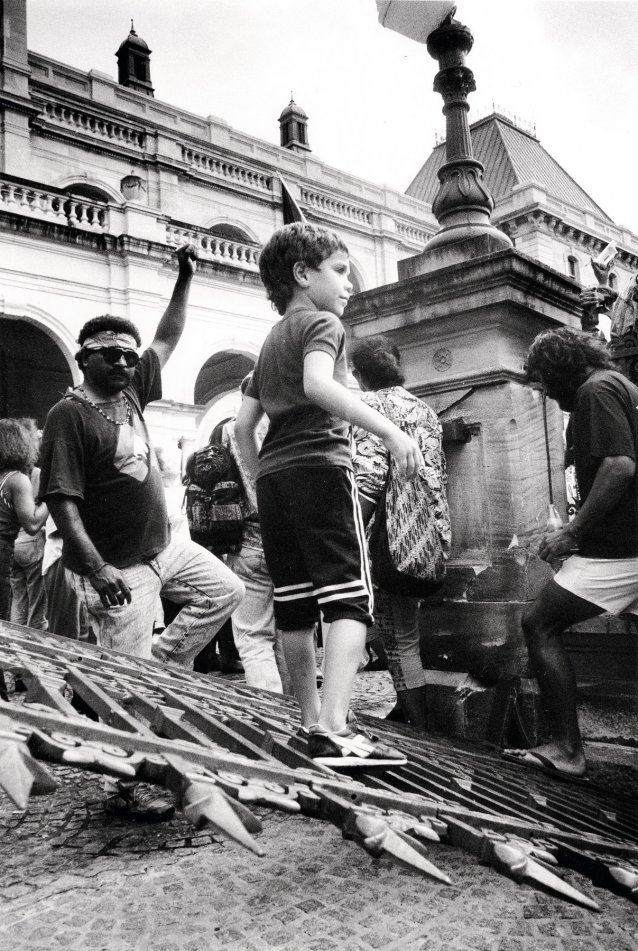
point(100, 182)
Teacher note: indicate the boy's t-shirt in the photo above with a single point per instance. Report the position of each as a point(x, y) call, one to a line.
point(300, 433)
point(604, 422)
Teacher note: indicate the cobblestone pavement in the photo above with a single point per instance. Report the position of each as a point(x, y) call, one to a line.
point(74, 877)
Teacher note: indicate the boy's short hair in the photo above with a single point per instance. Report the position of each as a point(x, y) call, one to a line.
point(300, 241)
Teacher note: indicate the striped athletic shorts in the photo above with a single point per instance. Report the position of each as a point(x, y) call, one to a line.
point(315, 546)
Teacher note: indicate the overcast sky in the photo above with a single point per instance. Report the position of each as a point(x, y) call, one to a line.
point(570, 67)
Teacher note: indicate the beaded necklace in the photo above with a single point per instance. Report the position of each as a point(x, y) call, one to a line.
point(116, 422)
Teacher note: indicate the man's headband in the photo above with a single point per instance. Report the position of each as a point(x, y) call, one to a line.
point(109, 338)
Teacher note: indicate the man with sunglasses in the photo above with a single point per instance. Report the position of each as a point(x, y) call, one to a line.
point(102, 482)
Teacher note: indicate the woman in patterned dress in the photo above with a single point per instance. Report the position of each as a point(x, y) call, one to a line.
point(19, 446)
point(376, 365)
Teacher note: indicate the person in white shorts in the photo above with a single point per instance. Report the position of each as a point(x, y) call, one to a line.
point(576, 370)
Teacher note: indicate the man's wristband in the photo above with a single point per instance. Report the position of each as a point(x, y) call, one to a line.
point(90, 574)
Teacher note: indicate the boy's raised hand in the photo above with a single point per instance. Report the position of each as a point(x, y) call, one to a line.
point(406, 452)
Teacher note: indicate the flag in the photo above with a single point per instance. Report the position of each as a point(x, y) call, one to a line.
point(292, 211)
point(414, 18)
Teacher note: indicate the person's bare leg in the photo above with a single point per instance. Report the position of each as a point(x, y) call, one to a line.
point(554, 610)
point(343, 646)
point(299, 651)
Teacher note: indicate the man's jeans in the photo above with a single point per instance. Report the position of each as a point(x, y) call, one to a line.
point(184, 573)
point(254, 624)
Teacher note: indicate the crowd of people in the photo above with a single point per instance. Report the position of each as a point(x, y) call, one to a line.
point(314, 461)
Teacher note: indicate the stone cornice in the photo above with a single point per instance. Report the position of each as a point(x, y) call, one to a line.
point(467, 381)
point(122, 245)
point(57, 84)
point(506, 275)
point(16, 103)
point(549, 222)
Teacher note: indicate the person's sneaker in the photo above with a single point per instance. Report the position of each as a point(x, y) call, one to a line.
point(303, 732)
point(230, 665)
point(140, 801)
point(351, 749)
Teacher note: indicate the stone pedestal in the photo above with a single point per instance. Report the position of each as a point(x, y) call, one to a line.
point(463, 332)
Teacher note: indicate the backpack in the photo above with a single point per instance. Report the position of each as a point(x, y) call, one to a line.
point(214, 497)
point(408, 546)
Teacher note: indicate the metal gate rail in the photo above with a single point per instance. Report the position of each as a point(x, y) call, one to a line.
point(219, 745)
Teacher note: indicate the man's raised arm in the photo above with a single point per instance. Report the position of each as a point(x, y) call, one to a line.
point(169, 330)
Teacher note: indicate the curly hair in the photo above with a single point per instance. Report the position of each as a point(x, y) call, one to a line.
point(564, 355)
point(300, 241)
point(19, 444)
point(378, 361)
point(109, 322)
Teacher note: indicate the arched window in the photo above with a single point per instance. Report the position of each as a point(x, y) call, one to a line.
point(231, 233)
point(573, 268)
point(90, 192)
point(613, 281)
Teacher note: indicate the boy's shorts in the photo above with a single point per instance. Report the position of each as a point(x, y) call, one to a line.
point(609, 583)
point(315, 546)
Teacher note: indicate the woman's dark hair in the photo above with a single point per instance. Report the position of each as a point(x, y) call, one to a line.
point(564, 355)
point(19, 444)
point(378, 361)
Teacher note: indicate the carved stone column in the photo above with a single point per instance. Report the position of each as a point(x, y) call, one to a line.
point(463, 204)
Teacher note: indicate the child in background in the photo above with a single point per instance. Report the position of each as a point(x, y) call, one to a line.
point(19, 447)
point(311, 523)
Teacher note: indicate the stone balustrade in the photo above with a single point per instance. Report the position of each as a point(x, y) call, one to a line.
point(336, 207)
point(230, 171)
point(412, 234)
point(103, 128)
point(53, 206)
point(214, 248)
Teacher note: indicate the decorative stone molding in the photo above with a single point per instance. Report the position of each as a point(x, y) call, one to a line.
point(213, 248)
point(58, 207)
point(231, 171)
point(336, 207)
point(78, 120)
point(538, 219)
point(413, 234)
point(70, 214)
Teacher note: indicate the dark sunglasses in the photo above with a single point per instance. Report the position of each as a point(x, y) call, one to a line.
point(113, 355)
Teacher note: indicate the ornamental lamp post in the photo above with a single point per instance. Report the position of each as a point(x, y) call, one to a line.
point(463, 205)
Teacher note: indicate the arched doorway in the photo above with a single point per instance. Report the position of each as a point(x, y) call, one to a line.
point(217, 387)
point(34, 372)
point(221, 373)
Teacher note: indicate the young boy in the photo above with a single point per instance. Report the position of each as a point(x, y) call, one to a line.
point(311, 524)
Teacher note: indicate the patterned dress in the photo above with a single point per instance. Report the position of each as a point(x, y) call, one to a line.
point(396, 616)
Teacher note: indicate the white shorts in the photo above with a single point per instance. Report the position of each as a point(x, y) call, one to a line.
point(610, 583)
